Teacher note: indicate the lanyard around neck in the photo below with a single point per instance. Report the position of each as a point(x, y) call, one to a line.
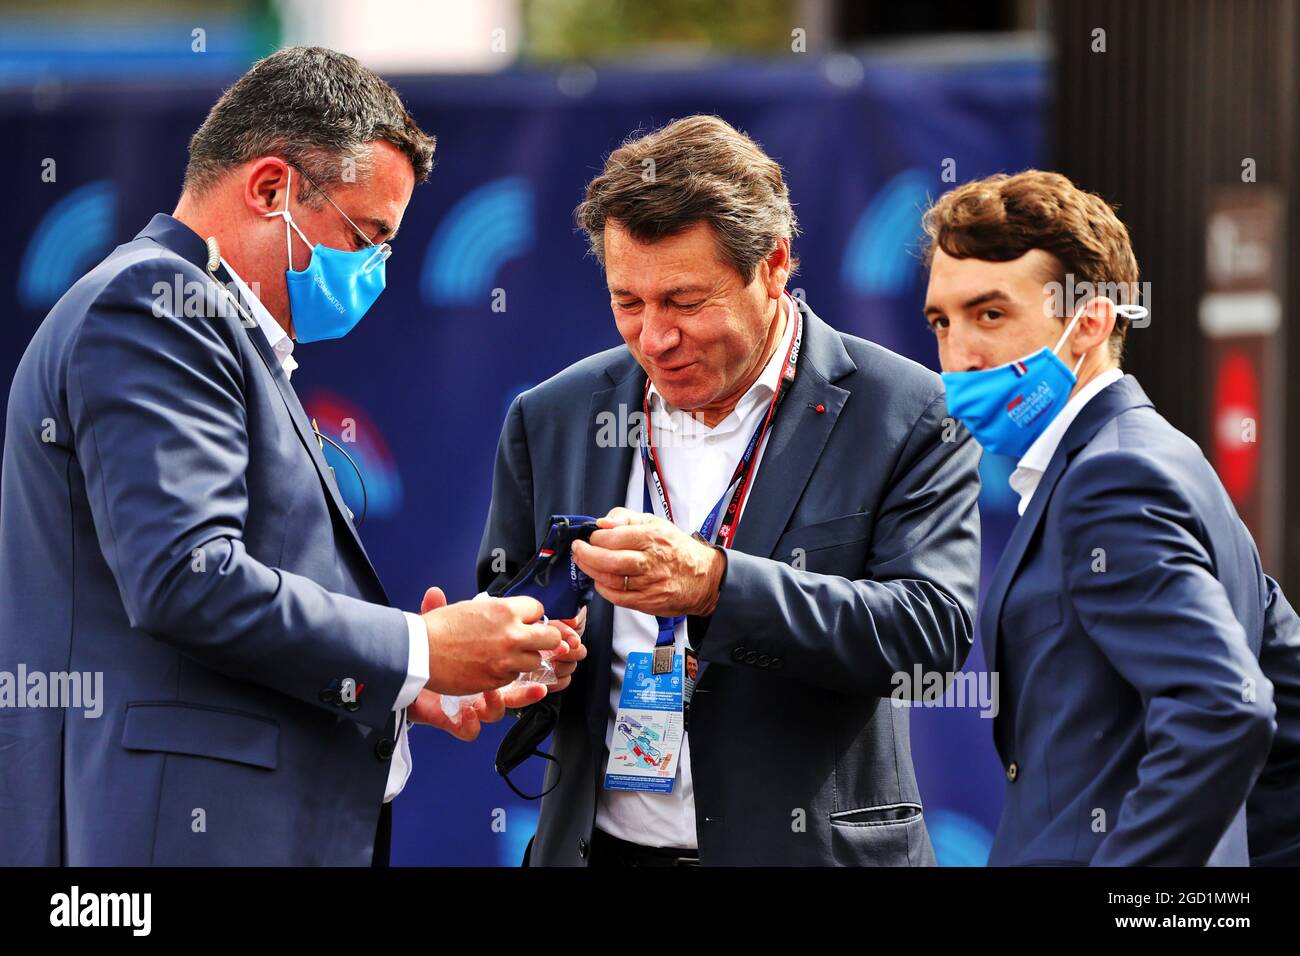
point(737, 488)
point(734, 495)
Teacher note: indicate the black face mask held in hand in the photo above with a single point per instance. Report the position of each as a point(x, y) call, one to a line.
point(554, 579)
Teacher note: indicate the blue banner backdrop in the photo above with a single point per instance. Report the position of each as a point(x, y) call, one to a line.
point(428, 376)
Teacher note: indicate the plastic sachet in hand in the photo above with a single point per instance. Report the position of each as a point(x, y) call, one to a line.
point(553, 578)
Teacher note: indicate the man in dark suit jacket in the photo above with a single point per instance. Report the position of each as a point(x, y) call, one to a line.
point(1143, 652)
point(855, 557)
point(171, 532)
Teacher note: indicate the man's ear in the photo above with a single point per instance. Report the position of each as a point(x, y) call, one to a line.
point(774, 271)
point(266, 183)
point(1094, 326)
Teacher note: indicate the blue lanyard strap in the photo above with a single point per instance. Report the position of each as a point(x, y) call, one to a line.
point(668, 625)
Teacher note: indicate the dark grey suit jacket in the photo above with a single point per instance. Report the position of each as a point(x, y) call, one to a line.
point(168, 520)
point(791, 720)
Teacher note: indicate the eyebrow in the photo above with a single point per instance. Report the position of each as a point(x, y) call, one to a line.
point(993, 295)
point(668, 294)
point(382, 229)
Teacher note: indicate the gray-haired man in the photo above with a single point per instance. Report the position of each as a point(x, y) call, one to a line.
point(735, 705)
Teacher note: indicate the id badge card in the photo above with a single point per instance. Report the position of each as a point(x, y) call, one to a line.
point(648, 728)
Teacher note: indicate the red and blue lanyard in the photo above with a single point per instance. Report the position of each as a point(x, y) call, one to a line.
point(712, 530)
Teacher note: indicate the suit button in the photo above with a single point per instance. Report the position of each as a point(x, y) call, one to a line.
point(583, 847)
point(764, 660)
point(1013, 771)
point(751, 657)
point(329, 695)
point(777, 663)
point(738, 653)
point(384, 749)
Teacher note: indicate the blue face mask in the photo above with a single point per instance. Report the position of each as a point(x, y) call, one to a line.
point(1009, 406)
point(331, 295)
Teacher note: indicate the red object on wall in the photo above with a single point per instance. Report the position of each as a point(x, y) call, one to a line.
point(1236, 424)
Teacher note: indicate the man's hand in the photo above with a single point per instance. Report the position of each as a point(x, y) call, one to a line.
point(666, 571)
point(484, 708)
point(566, 663)
point(477, 646)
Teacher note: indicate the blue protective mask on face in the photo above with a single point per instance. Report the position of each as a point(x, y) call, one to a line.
point(330, 296)
point(1006, 408)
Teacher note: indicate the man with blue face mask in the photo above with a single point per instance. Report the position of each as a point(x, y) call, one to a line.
point(1149, 668)
point(170, 523)
point(329, 297)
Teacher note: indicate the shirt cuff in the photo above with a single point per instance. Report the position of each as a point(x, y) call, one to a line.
point(400, 771)
point(417, 661)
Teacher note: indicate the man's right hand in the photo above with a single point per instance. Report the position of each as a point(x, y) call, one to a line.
point(481, 645)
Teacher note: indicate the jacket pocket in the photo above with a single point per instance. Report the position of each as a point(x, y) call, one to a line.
point(893, 814)
point(891, 835)
point(832, 533)
point(201, 731)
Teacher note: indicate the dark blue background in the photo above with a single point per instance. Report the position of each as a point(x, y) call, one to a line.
point(429, 374)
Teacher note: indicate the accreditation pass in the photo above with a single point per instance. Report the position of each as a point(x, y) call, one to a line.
point(648, 728)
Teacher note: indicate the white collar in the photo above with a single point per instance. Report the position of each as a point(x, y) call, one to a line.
point(668, 416)
point(1033, 463)
point(276, 336)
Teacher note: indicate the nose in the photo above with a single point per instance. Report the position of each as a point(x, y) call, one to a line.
point(659, 334)
point(957, 353)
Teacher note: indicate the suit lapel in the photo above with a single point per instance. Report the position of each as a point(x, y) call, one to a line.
point(1105, 405)
point(797, 438)
point(606, 471)
point(1012, 555)
point(306, 434)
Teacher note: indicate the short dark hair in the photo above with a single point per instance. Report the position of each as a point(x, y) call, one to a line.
point(696, 169)
point(1001, 217)
point(314, 108)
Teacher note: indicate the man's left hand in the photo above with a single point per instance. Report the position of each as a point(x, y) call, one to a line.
point(645, 563)
point(482, 709)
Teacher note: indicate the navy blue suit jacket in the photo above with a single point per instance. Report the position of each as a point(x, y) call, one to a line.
point(1127, 618)
point(169, 522)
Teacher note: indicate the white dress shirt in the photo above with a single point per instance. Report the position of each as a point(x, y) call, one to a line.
point(696, 462)
point(1029, 471)
point(417, 661)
